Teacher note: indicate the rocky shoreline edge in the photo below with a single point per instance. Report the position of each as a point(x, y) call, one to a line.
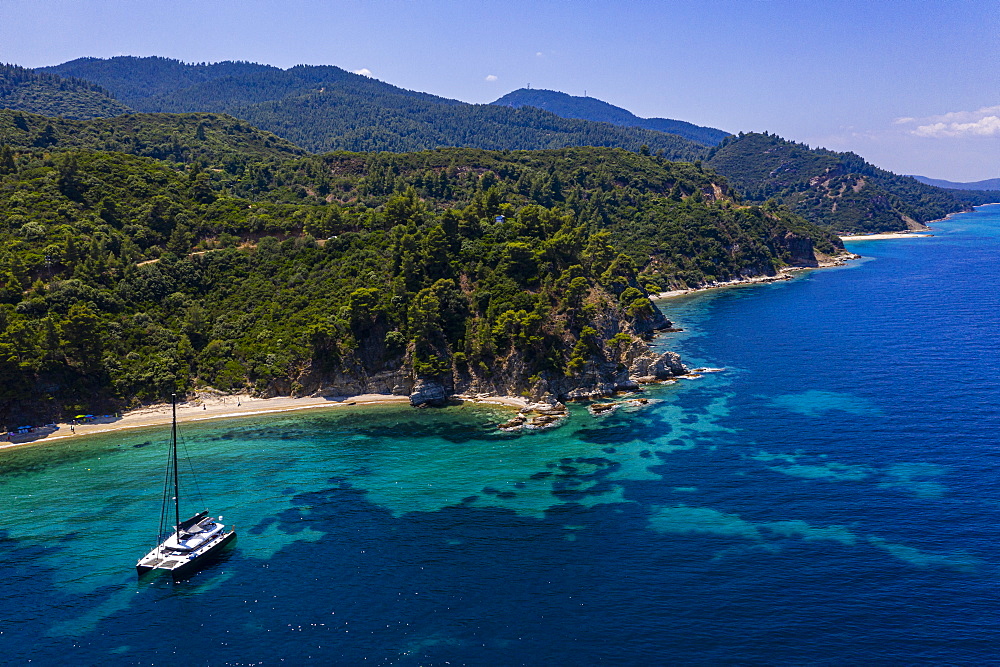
point(212, 406)
point(787, 273)
point(540, 406)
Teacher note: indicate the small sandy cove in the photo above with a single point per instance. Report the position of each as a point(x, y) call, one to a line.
point(885, 237)
point(205, 408)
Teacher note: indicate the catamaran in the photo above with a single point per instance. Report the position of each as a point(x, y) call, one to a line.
point(193, 542)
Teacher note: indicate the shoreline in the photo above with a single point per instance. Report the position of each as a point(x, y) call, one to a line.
point(782, 275)
point(209, 407)
point(837, 260)
point(887, 236)
point(922, 233)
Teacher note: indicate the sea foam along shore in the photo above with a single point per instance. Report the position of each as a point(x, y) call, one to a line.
point(209, 407)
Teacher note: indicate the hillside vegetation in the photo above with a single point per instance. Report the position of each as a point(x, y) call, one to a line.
point(590, 108)
point(323, 108)
point(215, 139)
point(977, 197)
point(677, 221)
point(836, 190)
point(125, 278)
point(50, 95)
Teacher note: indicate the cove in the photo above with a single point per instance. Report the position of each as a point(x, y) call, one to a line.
point(829, 497)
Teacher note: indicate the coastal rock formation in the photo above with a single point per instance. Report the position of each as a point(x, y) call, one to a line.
point(801, 250)
point(610, 356)
point(614, 356)
point(659, 367)
point(614, 369)
point(398, 382)
point(428, 392)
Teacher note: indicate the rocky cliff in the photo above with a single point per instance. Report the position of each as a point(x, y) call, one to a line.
point(611, 354)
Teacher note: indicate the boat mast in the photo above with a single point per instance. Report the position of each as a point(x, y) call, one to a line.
point(173, 448)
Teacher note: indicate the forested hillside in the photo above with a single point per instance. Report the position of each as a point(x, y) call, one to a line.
point(132, 79)
point(836, 190)
point(215, 139)
point(977, 197)
point(678, 221)
point(125, 278)
point(589, 108)
point(51, 95)
point(323, 108)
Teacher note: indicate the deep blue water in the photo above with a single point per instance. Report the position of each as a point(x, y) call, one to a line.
point(830, 498)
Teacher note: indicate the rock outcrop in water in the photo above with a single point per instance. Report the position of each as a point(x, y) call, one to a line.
point(428, 392)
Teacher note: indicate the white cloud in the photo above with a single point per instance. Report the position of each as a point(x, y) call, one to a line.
point(539, 54)
point(984, 122)
point(491, 77)
point(364, 71)
point(988, 126)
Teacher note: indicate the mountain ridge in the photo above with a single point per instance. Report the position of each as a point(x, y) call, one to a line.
point(215, 139)
point(593, 109)
point(326, 108)
point(323, 108)
point(840, 191)
point(51, 95)
point(987, 184)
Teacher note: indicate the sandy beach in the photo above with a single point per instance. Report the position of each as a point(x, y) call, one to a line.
point(210, 407)
point(886, 237)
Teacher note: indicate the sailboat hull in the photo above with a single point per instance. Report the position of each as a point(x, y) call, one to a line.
point(180, 565)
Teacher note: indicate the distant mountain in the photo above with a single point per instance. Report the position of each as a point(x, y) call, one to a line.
point(589, 108)
point(324, 108)
point(133, 80)
point(988, 184)
point(214, 139)
point(51, 95)
point(155, 84)
point(837, 190)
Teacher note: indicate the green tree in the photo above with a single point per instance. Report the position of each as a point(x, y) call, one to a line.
point(80, 336)
point(7, 164)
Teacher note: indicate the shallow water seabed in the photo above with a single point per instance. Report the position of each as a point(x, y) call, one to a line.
point(830, 497)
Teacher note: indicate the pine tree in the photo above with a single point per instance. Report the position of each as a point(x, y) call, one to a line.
point(7, 165)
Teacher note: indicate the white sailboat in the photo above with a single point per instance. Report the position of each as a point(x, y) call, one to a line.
point(193, 542)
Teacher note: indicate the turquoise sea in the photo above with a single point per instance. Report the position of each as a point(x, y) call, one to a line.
point(831, 498)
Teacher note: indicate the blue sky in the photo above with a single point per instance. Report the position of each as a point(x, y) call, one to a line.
point(913, 86)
